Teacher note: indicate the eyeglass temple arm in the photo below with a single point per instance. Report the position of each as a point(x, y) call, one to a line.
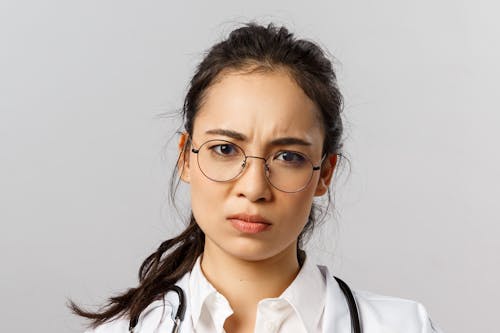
point(321, 162)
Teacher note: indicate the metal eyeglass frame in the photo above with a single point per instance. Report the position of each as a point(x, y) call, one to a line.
point(266, 167)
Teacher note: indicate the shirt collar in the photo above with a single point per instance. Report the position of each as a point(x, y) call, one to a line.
point(306, 294)
point(202, 293)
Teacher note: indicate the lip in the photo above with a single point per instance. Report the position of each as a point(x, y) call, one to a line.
point(247, 223)
point(252, 218)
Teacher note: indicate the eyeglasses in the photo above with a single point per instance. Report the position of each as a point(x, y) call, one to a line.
point(286, 170)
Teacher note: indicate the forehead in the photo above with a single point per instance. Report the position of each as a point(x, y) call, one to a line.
point(261, 105)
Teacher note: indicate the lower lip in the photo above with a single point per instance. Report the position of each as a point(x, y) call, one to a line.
point(249, 227)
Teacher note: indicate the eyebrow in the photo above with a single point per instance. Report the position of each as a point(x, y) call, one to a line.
point(276, 142)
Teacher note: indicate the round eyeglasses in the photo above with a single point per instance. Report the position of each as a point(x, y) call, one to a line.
point(286, 170)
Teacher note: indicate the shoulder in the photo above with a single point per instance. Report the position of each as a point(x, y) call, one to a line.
point(394, 312)
point(156, 317)
point(378, 312)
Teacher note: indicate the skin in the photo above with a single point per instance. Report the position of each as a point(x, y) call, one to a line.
point(262, 106)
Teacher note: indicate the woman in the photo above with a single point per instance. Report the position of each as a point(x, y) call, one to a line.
point(262, 138)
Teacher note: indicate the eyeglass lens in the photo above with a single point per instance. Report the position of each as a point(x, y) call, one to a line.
point(286, 170)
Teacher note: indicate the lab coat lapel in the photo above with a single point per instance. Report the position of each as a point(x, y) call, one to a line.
point(336, 317)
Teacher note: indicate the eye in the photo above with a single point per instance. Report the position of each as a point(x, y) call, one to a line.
point(224, 149)
point(290, 157)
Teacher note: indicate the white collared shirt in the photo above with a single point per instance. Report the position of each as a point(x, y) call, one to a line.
point(299, 309)
point(312, 303)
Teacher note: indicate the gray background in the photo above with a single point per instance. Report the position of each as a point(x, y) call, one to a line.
point(85, 159)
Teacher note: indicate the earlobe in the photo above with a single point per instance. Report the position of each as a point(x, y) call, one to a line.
point(183, 160)
point(326, 174)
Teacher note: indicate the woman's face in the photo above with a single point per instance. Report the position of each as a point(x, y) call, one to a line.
point(260, 107)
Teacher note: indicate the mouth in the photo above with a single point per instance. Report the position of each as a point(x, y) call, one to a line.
point(250, 224)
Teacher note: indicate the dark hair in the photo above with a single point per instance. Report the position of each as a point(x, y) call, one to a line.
point(248, 48)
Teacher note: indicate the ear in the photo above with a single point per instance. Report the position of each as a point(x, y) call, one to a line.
point(183, 160)
point(326, 173)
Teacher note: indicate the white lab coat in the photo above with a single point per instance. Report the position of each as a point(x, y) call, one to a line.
point(379, 314)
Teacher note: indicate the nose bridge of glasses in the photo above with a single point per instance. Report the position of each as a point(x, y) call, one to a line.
point(266, 167)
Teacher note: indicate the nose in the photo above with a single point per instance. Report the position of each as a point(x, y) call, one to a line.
point(253, 183)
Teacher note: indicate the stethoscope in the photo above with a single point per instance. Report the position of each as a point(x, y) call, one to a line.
point(181, 310)
point(179, 315)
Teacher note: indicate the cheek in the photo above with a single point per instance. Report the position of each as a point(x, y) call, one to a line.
point(300, 204)
point(206, 197)
point(296, 207)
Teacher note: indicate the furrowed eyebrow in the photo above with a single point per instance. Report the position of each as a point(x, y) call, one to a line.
point(289, 141)
point(229, 133)
point(285, 141)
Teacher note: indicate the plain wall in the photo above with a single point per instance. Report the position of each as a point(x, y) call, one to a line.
point(85, 159)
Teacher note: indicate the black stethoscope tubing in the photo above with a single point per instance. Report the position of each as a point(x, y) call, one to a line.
point(179, 315)
point(351, 303)
point(181, 310)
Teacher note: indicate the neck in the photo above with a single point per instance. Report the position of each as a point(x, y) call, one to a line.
point(245, 282)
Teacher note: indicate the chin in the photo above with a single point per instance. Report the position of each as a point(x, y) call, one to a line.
point(250, 250)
